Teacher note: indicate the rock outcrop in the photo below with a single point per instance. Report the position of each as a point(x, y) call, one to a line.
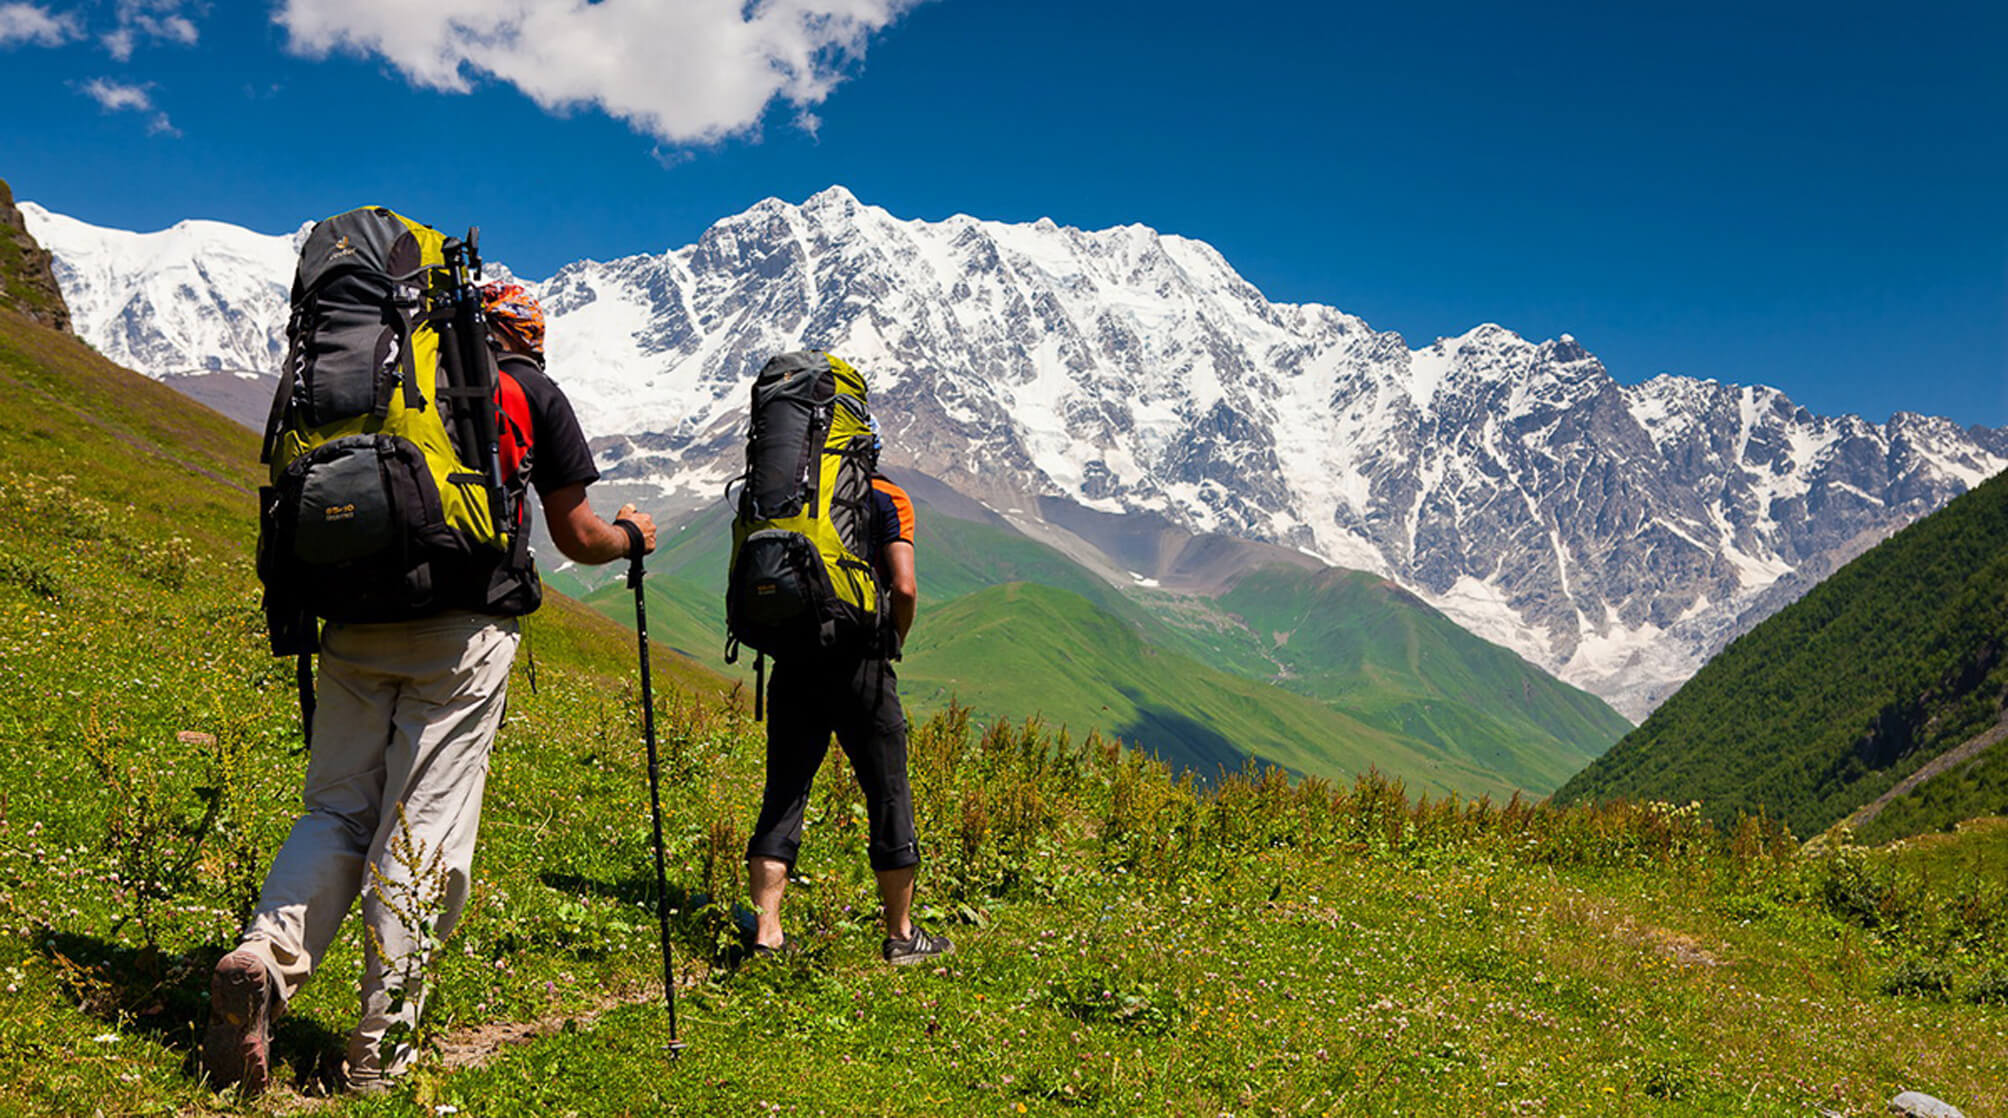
point(27, 272)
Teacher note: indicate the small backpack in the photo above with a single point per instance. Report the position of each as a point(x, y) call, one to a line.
point(799, 584)
point(388, 497)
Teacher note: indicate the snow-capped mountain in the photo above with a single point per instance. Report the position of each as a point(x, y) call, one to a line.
point(201, 297)
point(1615, 535)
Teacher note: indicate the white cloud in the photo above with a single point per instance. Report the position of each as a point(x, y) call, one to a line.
point(684, 71)
point(139, 20)
point(32, 23)
point(114, 97)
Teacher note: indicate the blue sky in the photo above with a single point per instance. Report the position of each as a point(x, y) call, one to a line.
point(1809, 196)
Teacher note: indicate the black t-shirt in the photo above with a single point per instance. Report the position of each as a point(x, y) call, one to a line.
point(559, 454)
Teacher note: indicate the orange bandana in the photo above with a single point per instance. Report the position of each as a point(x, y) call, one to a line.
point(515, 310)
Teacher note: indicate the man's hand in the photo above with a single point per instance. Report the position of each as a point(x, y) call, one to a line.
point(640, 520)
point(582, 536)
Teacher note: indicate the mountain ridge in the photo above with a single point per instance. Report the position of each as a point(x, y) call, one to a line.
point(1615, 535)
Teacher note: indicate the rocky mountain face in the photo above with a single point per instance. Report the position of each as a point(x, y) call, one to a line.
point(1616, 535)
point(27, 277)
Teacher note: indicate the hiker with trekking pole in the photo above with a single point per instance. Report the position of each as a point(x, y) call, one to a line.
point(412, 418)
point(822, 580)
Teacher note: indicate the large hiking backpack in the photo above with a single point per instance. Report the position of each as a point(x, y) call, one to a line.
point(388, 498)
point(799, 583)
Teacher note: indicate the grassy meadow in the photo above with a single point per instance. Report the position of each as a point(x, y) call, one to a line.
point(1128, 943)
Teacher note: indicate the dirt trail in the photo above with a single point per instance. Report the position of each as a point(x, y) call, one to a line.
point(1951, 758)
point(475, 1045)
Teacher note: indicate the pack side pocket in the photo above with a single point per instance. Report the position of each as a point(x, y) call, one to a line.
point(344, 510)
point(289, 624)
point(430, 551)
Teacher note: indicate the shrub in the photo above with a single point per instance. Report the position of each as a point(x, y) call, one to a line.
point(1990, 987)
point(1919, 978)
point(31, 576)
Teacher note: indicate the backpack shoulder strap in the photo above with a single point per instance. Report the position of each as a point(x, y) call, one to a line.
point(275, 420)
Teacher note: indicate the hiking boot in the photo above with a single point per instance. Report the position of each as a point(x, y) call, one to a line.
point(333, 1077)
point(919, 947)
point(787, 948)
point(238, 1047)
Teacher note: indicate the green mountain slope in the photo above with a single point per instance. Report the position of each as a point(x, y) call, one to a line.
point(1892, 661)
point(1366, 646)
point(1023, 649)
point(1452, 711)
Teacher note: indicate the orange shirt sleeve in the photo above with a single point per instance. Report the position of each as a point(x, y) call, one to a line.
point(901, 503)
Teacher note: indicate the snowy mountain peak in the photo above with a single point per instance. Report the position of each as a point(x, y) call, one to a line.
point(198, 296)
point(835, 199)
point(1616, 535)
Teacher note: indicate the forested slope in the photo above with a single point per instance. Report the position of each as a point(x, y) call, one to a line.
point(1892, 661)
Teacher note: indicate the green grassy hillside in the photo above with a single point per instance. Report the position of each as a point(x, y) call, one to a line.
point(687, 575)
point(1366, 646)
point(1127, 943)
point(1028, 650)
point(1895, 659)
point(1404, 688)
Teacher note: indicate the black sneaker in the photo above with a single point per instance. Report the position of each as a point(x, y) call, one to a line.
point(919, 947)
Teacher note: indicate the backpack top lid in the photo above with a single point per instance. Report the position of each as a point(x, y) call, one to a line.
point(846, 380)
point(371, 239)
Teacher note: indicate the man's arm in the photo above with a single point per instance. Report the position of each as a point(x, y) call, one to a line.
point(584, 538)
point(902, 589)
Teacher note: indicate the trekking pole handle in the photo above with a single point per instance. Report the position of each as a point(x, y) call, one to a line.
point(637, 548)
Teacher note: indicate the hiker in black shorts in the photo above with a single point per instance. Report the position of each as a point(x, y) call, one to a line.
point(856, 698)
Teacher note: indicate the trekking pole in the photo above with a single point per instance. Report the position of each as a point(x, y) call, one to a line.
point(469, 372)
point(635, 573)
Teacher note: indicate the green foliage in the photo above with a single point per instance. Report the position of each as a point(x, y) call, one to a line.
point(1890, 662)
point(30, 576)
point(1967, 791)
point(1919, 978)
point(1989, 987)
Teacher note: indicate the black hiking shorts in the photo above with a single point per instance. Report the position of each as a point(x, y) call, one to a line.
point(858, 701)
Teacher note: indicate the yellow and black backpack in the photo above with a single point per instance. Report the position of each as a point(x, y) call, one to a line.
point(387, 498)
point(800, 583)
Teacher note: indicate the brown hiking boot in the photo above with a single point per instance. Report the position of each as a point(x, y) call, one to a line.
point(238, 1047)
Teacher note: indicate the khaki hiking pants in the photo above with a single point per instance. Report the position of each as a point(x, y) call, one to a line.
point(407, 713)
